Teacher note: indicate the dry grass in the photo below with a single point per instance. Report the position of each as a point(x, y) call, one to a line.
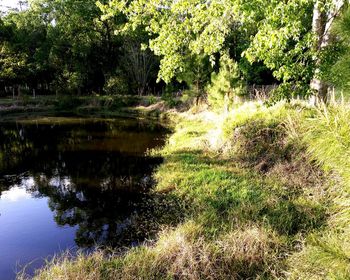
point(182, 253)
point(63, 267)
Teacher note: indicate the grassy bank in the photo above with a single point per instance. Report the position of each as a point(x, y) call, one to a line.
point(109, 106)
point(264, 194)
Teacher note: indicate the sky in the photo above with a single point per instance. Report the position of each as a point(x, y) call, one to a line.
point(8, 3)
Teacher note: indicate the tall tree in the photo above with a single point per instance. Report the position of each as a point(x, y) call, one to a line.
point(140, 64)
point(60, 42)
point(323, 18)
point(283, 33)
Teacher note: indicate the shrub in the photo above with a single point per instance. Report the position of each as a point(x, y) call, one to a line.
point(116, 85)
point(226, 86)
point(68, 102)
point(170, 100)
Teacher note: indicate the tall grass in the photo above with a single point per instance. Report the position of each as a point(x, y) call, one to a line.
point(327, 253)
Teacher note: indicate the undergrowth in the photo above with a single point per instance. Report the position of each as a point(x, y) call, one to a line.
point(264, 194)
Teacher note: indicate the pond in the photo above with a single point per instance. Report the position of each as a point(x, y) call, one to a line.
point(73, 183)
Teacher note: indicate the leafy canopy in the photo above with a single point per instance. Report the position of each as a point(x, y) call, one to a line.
point(280, 32)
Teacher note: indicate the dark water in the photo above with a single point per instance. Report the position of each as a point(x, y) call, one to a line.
point(70, 183)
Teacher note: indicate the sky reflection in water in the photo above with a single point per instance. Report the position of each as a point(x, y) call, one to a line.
point(72, 183)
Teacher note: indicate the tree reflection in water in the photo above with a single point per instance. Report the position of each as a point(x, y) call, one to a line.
point(94, 172)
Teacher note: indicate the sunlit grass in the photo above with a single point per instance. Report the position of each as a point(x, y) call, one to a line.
point(327, 253)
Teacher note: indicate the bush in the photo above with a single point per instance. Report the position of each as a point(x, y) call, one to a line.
point(170, 100)
point(116, 85)
point(150, 100)
point(122, 101)
point(226, 86)
point(68, 102)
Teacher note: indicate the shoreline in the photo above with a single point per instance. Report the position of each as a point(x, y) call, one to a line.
point(241, 189)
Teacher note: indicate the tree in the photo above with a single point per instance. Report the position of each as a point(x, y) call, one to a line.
point(174, 27)
point(83, 48)
point(227, 85)
point(62, 43)
point(67, 46)
point(196, 74)
point(140, 64)
point(23, 36)
point(283, 43)
point(336, 70)
point(283, 33)
point(323, 18)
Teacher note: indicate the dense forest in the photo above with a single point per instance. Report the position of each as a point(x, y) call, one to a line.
point(65, 47)
point(215, 48)
point(252, 99)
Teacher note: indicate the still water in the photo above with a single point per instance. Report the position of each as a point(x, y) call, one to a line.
point(72, 183)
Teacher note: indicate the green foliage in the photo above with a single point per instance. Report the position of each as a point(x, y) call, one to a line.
point(180, 30)
point(196, 74)
point(68, 102)
point(280, 35)
point(80, 62)
point(284, 40)
point(226, 86)
point(336, 69)
point(170, 99)
point(116, 85)
point(74, 45)
point(289, 90)
point(66, 44)
point(326, 254)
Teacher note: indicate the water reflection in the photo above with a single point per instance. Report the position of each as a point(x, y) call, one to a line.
point(92, 174)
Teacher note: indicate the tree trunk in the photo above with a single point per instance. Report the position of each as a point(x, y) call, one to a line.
point(321, 27)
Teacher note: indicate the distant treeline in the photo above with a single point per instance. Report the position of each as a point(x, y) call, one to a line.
point(64, 47)
point(70, 47)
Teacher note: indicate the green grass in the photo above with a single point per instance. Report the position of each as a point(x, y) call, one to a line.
point(263, 194)
point(327, 253)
